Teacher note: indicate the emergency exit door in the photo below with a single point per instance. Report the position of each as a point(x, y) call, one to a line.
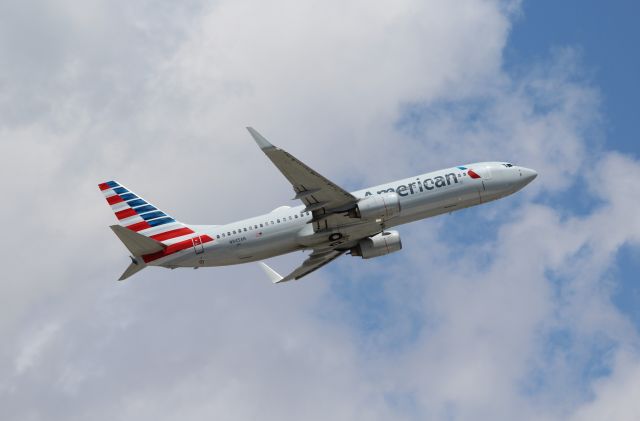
point(197, 245)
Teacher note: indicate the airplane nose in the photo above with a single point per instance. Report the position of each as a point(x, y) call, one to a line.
point(527, 175)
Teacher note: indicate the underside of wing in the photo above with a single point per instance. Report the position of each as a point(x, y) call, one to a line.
point(320, 195)
point(315, 261)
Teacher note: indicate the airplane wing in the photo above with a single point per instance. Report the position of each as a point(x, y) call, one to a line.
point(316, 260)
point(320, 195)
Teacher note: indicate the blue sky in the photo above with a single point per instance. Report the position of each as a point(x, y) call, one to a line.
point(525, 308)
point(606, 36)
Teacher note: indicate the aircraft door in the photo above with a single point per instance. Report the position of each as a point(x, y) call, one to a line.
point(197, 245)
point(484, 171)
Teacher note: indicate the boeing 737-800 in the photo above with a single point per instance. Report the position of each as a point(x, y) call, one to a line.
point(331, 221)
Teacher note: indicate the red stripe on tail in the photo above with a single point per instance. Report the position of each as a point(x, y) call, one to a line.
point(112, 200)
point(174, 248)
point(172, 234)
point(139, 226)
point(125, 213)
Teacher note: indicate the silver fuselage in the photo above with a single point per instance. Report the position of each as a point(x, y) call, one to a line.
point(288, 229)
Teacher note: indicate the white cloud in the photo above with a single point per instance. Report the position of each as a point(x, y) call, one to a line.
point(157, 95)
point(615, 396)
point(33, 348)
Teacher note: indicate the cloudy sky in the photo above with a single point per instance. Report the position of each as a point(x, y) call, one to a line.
point(527, 308)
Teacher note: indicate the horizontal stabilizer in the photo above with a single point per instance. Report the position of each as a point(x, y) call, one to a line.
point(133, 268)
point(137, 244)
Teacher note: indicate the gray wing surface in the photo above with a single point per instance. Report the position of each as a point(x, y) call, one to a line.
point(315, 261)
point(320, 195)
point(328, 202)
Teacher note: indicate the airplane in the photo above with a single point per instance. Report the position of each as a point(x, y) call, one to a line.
point(330, 222)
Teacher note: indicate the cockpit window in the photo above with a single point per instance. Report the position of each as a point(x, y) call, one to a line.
point(508, 165)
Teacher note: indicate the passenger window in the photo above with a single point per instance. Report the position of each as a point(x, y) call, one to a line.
point(261, 226)
point(234, 231)
point(255, 226)
point(245, 230)
point(229, 234)
point(278, 220)
point(296, 216)
point(218, 236)
point(223, 235)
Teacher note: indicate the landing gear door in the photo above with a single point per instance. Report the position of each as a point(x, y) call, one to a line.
point(197, 245)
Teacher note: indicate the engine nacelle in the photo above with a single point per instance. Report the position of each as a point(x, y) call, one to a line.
point(378, 245)
point(379, 206)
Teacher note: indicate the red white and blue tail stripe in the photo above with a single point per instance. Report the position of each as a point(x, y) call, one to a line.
point(138, 215)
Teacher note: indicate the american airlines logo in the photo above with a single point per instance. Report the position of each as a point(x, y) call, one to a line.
point(420, 186)
point(471, 173)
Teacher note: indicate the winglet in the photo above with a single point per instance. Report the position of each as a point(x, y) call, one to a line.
point(260, 140)
point(272, 274)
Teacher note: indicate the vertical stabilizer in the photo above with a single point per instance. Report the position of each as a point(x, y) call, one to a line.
point(150, 234)
point(140, 216)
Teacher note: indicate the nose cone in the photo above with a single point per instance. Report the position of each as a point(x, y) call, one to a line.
point(527, 175)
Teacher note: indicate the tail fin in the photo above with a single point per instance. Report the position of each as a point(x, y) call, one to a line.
point(149, 233)
point(138, 215)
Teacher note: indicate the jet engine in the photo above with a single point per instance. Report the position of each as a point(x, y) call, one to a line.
point(378, 245)
point(384, 206)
